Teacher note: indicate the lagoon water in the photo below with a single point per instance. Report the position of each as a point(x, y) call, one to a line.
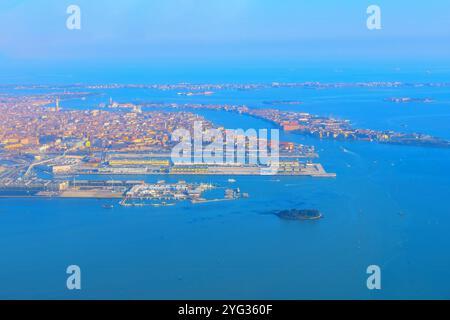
point(388, 206)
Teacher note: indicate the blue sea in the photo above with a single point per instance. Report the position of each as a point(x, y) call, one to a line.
point(388, 206)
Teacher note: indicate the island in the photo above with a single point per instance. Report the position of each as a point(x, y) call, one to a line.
point(299, 214)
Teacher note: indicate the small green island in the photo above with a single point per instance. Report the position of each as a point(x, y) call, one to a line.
point(296, 214)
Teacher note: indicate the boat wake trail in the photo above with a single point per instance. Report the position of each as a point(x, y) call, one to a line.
point(349, 152)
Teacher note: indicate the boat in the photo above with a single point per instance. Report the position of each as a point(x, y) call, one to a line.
point(231, 180)
point(107, 206)
point(136, 205)
point(163, 204)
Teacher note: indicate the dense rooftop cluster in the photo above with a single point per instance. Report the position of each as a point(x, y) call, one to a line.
point(26, 124)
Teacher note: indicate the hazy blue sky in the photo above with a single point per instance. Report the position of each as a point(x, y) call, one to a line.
point(178, 30)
